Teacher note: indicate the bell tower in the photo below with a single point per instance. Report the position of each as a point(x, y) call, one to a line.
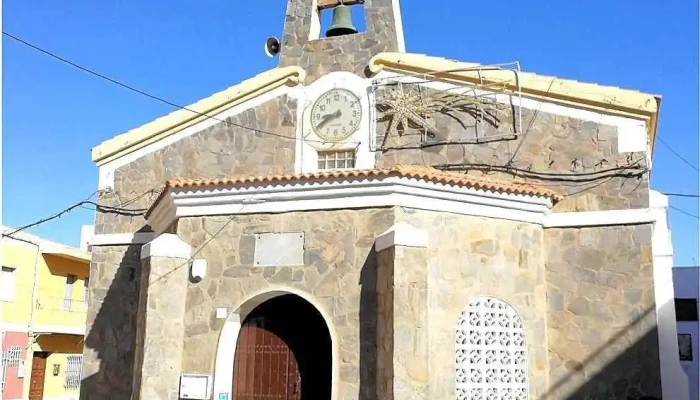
point(341, 47)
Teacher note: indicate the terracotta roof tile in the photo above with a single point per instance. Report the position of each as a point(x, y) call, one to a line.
point(405, 171)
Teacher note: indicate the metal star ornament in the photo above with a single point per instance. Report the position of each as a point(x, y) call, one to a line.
point(401, 106)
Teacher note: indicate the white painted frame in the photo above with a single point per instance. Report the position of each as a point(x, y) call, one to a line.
point(226, 348)
point(674, 381)
point(632, 133)
point(308, 144)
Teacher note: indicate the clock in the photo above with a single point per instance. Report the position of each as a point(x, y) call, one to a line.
point(336, 115)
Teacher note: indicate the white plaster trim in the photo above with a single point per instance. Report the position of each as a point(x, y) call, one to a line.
point(401, 234)
point(15, 327)
point(226, 348)
point(674, 382)
point(367, 193)
point(86, 234)
point(58, 329)
point(379, 192)
point(598, 218)
point(106, 171)
point(398, 28)
point(630, 139)
point(121, 239)
point(166, 245)
point(633, 128)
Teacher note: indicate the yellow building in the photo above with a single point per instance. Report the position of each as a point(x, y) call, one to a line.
point(44, 303)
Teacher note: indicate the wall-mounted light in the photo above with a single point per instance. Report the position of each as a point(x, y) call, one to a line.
point(198, 269)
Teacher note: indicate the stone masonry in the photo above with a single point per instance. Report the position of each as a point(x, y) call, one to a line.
point(467, 256)
point(339, 272)
point(559, 146)
point(342, 53)
point(160, 326)
point(111, 331)
point(601, 319)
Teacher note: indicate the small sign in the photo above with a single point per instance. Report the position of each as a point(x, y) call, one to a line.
point(223, 396)
point(279, 249)
point(195, 386)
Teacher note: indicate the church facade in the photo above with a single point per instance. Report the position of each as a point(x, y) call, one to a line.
point(366, 223)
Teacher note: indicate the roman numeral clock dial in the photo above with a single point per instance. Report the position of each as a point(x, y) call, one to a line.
point(336, 115)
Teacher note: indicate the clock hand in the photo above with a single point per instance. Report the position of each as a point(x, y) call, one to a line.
point(327, 118)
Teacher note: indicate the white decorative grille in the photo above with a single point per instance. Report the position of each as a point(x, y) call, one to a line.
point(336, 159)
point(491, 353)
point(74, 370)
point(11, 357)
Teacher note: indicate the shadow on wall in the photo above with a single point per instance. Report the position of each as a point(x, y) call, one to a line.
point(109, 345)
point(368, 327)
point(634, 374)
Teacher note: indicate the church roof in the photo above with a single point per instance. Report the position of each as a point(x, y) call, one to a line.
point(419, 172)
point(607, 99)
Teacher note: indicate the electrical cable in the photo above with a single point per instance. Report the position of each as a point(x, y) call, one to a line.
point(684, 212)
point(154, 97)
point(81, 204)
point(676, 153)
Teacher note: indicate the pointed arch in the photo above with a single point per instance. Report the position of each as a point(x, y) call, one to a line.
point(490, 352)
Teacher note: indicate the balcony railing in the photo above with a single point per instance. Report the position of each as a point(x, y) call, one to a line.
point(59, 304)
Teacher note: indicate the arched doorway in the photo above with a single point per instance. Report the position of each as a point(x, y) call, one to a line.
point(284, 352)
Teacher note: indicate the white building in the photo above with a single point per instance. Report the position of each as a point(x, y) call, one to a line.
point(686, 283)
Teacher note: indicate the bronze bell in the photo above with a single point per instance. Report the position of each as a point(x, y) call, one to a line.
point(342, 22)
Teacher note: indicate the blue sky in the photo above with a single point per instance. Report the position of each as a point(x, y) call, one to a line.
point(54, 114)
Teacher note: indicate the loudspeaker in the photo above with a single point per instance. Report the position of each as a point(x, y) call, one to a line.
point(272, 46)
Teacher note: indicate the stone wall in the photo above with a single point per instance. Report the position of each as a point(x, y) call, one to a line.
point(574, 153)
point(342, 53)
point(468, 257)
point(339, 272)
point(221, 150)
point(111, 323)
point(159, 328)
point(601, 314)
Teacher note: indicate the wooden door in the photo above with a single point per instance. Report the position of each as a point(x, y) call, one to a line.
point(264, 367)
point(36, 380)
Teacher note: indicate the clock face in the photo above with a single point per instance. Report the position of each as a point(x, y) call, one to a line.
point(336, 115)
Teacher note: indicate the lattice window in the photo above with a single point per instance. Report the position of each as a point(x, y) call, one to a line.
point(11, 357)
point(336, 159)
point(491, 353)
point(74, 370)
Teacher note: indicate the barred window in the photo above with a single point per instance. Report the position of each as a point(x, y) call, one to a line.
point(74, 370)
point(11, 357)
point(336, 159)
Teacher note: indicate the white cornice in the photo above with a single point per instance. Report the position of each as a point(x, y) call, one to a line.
point(598, 218)
point(121, 239)
point(367, 193)
point(166, 245)
point(401, 234)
